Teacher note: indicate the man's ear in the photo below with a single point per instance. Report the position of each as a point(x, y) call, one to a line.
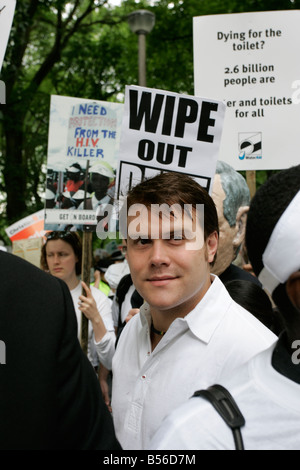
point(212, 246)
point(241, 220)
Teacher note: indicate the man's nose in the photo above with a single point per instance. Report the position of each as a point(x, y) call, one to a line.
point(159, 253)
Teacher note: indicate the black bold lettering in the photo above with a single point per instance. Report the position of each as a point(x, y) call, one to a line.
point(206, 121)
point(168, 158)
point(144, 110)
point(187, 112)
point(168, 116)
point(146, 150)
point(183, 155)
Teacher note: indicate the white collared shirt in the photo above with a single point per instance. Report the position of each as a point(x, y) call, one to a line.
point(213, 339)
point(268, 401)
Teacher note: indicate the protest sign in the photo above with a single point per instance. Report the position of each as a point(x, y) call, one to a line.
point(26, 236)
point(165, 131)
point(249, 60)
point(31, 226)
point(81, 164)
point(29, 249)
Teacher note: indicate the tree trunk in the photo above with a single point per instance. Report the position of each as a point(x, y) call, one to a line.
point(14, 167)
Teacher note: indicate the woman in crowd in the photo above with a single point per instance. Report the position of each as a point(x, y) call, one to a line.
point(61, 256)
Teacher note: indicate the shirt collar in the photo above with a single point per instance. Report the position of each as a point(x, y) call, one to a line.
point(203, 320)
point(209, 312)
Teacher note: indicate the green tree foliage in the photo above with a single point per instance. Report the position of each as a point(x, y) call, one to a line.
point(46, 36)
point(84, 48)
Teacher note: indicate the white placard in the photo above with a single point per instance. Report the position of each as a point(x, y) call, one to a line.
point(165, 131)
point(83, 139)
point(250, 60)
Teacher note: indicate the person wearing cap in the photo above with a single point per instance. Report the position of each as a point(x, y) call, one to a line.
point(109, 271)
point(101, 177)
point(99, 276)
point(117, 270)
point(74, 178)
point(101, 187)
point(267, 388)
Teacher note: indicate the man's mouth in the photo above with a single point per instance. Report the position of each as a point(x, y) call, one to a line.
point(161, 280)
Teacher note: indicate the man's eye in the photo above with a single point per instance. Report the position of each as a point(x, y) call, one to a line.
point(177, 241)
point(144, 241)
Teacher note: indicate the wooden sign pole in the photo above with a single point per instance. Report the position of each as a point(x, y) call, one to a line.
point(86, 267)
point(85, 275)
point(251, 181)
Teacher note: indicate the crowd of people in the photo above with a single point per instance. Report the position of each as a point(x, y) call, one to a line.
point(171, 314)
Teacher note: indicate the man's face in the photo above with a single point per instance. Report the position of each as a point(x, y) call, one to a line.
point(167, 274)
point(73, 176)
point(226, 249)
point(100, 184)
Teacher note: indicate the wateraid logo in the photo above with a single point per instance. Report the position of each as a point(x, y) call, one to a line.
point(2, 92)
point(2, 353)
point(250, 145)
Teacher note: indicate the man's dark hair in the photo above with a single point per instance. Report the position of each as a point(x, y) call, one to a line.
point(174, 188)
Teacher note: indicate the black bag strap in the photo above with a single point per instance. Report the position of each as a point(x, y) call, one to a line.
point(224, 403)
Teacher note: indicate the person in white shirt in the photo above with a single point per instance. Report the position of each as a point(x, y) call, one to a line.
point(61, 256)
point(189, 330)
point(267, 388)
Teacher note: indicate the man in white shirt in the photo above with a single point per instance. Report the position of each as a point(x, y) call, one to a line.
point(267, 388)
point(189, 330)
